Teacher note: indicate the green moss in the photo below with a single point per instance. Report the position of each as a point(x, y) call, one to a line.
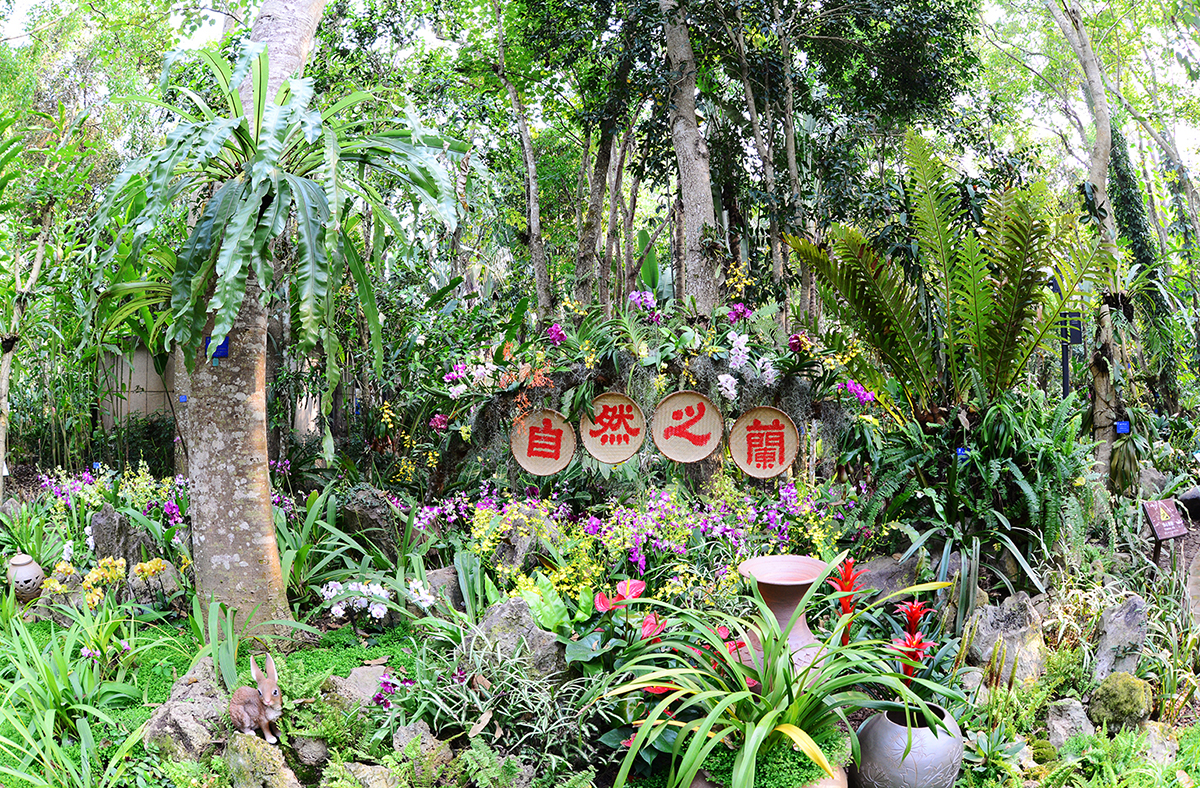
point(1043, 751)
point(781, 766)
point(1121, 700)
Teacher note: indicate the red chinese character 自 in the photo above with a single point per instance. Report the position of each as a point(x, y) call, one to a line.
point(613, 425)
point(696, 413)
point(764, 444)
point(544, 441)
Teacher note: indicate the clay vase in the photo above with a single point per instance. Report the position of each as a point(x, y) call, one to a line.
point(933, 761)
point(26, 577)
point(783, 580)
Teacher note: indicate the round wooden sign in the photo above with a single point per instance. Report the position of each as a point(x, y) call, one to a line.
point(687, 426)
point(764, 442)
point(616, 431)
point(542, 441)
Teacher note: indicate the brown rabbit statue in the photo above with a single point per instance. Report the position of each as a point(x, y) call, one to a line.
point(251, 707)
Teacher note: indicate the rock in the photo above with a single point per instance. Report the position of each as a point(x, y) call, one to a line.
point(186, 726)
point(508, 627)
point(155, 590)
point(432, 751)
point(1161, 743)
point(255, 764)
point(1122, 634)
point(359, 687)
point(443, 583)
point(1015, 626)
point(1024, 755)
point(1066, 718)
point(368, 513)
point(1152, 481)
point(887, 575)
point(1190, 501)
point(10, 508)
point(309, 751)
point(360, 774)
point(114, 536)
point(526, 525)
point(1121, 701)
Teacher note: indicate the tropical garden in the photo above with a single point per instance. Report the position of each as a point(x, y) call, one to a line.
point(530, 394)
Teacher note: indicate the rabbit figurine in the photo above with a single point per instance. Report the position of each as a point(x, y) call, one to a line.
point(251, 708)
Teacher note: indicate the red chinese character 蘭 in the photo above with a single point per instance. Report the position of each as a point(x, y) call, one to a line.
point(544, 441)
point(764, 444)
point(613, 424)
point(695, 412)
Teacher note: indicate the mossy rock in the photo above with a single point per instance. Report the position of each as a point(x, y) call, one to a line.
point(255, 764)
point(1121, 701)
point(1043, 751)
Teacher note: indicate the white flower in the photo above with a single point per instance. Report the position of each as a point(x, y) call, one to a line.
point(767, 371)
point(728, 386)
point(420, 594)
point(458, 391)
point(330, 590)
point(338, 610)
point(377, 610)
point(68, 551)
point(739, 350)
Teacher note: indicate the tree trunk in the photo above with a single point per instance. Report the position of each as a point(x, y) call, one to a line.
point(233, 529)
point(585, 255)
point(610, 294)
point(537, 249)
point(1106, 402)
point(700, 276)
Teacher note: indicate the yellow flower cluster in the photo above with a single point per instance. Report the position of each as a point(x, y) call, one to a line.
point(589, 354)
point(149, 569)
point(575, 307)
point(489, 529)
point(406, 470)
point(853, 348)
point(93, 596)
point(739, 277)
point(185, 561)
point(660, 384)
point(431, 459)
point(685, 585)
point(465, 433)
point(110, 570)
point(51, 586)
point(386, 416)
point(64, 569)
point(140, 488)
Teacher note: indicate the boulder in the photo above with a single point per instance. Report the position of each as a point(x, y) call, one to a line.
point(508, 628)
point(1121, 701)
point(431, 750)
point(310, 751)
point(10, 508)
point(255, 764)
point(368, 513)
point(359, 687)
point(1066, 718)
point(1015, 626)
point(114, 536)
point(443, 583)
point(518, 545)
point(1190, 501)
point(1152, 482)
point(361, 775)
point(888, 575)
point(1122, 634)
point(1161, 743)
point(187, 725)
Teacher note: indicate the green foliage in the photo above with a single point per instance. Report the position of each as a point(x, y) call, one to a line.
point(487, 769)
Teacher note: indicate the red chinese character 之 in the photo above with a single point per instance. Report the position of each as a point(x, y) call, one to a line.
point(544, 441)
point(764, 444)
point(613, 424)
point(695, 412)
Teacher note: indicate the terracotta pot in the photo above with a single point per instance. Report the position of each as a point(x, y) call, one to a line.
point(26, 577)
point(837, 781)
point(933, 761)
point(783, 580)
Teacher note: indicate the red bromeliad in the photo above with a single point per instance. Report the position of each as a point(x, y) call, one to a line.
point(913, 647)
point(912, 612)
point(847, 580)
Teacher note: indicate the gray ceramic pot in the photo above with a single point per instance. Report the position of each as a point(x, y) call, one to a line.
point(933, 761)
point(26, 577)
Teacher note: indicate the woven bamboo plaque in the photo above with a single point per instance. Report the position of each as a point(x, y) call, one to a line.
point(764, 442)
point(542, 441)
point(617, 431)
point(687, 426)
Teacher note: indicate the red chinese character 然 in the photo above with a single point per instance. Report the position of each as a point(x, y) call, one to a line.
point(613, 425)
point(544, 441)
point(764, 444)
point(695, 412)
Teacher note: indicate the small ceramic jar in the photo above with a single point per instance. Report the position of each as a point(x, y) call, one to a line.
point(26, 577)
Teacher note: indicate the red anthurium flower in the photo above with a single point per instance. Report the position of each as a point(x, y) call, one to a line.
point(630, 589)
point(847, 581)
point(912, 612)
point(913, 647)
point(659, 690)
point(652, 625)
point(602, 603)
point(723, 632)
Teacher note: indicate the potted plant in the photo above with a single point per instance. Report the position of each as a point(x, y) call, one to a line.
point(904, 750)
point(708, 692)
